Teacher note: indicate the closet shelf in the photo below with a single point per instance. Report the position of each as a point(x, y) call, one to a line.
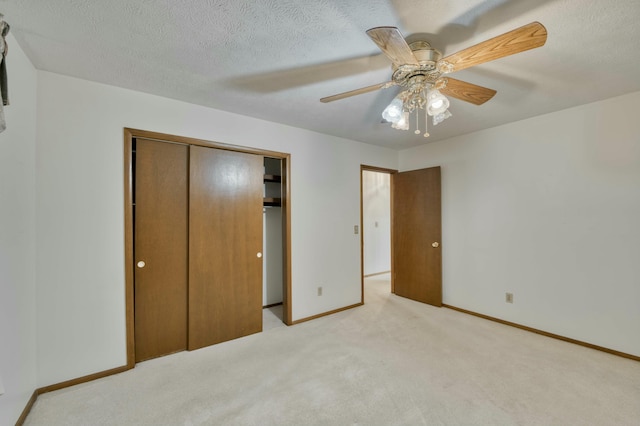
point(272, 178)
point(272, 202)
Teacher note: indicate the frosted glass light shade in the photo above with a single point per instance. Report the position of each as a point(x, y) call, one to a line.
point(437, 103)
point(439, 118)
point(403, 123)
point(393, 112)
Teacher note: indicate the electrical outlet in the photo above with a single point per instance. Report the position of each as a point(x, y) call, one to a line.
point(355, 229)
point(509, 297)
point(320, 291)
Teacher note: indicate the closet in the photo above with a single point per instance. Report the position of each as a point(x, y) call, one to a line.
point(198, 244)
point(273, 280)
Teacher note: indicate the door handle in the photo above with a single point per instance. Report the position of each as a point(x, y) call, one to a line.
point(140, 264)
point(435, 244)
point(259, 255)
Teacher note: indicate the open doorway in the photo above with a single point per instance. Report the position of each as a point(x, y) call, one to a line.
point(375, 223)
point(415, 233)
point(273, 273)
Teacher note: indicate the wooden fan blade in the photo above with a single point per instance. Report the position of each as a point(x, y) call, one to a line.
point(357, 92)
point(468, 92)
point(392, 44)
point(524, 38)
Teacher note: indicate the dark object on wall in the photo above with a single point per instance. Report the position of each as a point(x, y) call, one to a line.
point(4, 30)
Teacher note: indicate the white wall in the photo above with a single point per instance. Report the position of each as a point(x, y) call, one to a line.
point(547, 208)
point(376, 218)
point(272, 272)
point(18, 238)
point(81, 316)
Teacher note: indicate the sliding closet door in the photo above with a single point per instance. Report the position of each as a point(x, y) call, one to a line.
point(160, 253)
point(225, 245)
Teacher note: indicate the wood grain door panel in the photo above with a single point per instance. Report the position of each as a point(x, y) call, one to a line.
point(225, 236)
point(417, 225)
point(160, 241)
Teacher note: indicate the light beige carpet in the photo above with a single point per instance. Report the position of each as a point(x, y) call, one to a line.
point(390, 362)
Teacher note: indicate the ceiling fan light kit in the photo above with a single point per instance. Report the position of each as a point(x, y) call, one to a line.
point(419, 69)
point(418, 97)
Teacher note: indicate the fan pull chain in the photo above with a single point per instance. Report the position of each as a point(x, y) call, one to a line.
point(417, 132)
point(426, 123)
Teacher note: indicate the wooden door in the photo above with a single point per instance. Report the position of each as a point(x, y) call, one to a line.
point(225, 245)
point(160, 241)
point(417, 230)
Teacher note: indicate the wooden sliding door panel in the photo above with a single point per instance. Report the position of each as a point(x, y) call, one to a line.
point(160, 248)
point(225, 245)
point(417, 229)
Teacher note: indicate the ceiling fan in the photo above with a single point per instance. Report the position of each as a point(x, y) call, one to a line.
point(421, 71)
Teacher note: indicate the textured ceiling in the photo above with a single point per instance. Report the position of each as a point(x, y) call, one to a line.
point(274, 59)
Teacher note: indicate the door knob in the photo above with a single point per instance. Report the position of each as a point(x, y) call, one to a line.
point(141, 264)
point(259, 255)
point(435, 244)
